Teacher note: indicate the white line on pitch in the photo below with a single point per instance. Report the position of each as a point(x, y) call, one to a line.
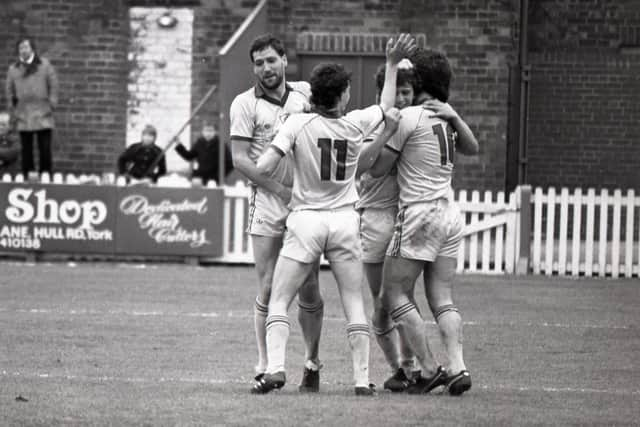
point(249, 314)
point(558, 389)
point(215, 381)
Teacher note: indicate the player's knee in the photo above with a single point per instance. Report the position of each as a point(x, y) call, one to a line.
point(264, 295)
point(441, 310)
point(391, 298)
point(314, 307)
point(381, 322)
point(309, 294)
point(401, 310)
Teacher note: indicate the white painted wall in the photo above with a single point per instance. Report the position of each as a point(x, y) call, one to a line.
point(159, 88)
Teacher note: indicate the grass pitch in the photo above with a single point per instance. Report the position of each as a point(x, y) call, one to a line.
point(125, 344)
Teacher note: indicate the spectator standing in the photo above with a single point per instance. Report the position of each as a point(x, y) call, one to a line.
point(32, 95)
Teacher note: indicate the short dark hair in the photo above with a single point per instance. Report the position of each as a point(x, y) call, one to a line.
point(29, 39)
point(434, 73)
point(404, 76)
point(328, 81)
point(265, 41)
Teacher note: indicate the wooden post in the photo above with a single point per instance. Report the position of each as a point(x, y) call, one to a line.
point(523, 200)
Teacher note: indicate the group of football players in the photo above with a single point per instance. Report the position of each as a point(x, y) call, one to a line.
point(370, 190)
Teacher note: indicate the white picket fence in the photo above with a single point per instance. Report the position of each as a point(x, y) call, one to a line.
point(490, 238)
point(586, 234)
point(489, 245)
point(598, 238)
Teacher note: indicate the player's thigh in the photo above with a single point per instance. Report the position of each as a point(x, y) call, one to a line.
point(267, 214)
point(376, 230)
point(398, 280)
point(348, 275)
point(309, 292)
point(455, 223)
point(288, 277)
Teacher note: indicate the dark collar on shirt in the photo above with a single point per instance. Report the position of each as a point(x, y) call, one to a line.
point(330, 114)
point(260, 93)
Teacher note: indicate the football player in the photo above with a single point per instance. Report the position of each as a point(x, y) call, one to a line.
point(429, 224)
point(256, 115)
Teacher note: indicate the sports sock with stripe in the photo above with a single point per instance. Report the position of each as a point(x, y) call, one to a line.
point(407, 317)
point(388, 341)
point(358, 335)
point(310, 318)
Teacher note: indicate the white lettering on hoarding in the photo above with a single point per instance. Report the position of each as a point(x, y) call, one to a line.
point(162, 219)
point(23, 208)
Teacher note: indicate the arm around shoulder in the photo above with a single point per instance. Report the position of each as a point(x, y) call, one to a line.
point(467, 142)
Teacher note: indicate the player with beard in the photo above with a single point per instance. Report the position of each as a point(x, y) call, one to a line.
point(255, 116)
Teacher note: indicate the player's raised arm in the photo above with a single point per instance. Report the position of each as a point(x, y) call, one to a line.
point(467, 142)
point(396, 50)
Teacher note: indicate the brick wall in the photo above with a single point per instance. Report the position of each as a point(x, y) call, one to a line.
point(475, 34)
point(86, 41)
point(584, 58)
point(585, 118)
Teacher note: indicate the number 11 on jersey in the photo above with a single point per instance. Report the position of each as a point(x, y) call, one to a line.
point(446, 141)
point(326, 145)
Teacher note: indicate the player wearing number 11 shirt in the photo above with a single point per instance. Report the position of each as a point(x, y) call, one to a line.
point(326, 146)
point(429, 224)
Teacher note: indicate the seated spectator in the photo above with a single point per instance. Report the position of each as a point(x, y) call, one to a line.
point(137, 159)
point(205, 153)
point(9, 147)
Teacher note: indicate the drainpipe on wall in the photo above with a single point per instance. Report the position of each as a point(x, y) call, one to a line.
point(518, 104)
point(525, 75)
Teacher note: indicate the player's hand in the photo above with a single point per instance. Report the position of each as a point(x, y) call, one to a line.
point(400, 48)
point(391, 120)
point(441, 110)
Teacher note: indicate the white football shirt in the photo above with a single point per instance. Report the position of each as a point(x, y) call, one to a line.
point(325, 155)
point(425, 163)
point(256, 117)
